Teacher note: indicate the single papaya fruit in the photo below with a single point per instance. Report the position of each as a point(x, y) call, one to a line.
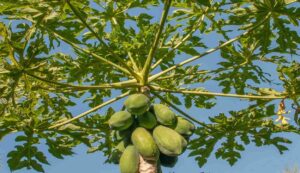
point(147, 120)
point(184, 127)
point(144, 143)
point(120, 120)
point(137, 104)
point(129, 161)
point(169, 141)
point(167, 161)
point(164, 115)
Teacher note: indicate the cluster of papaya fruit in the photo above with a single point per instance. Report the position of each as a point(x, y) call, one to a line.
point(153, 132)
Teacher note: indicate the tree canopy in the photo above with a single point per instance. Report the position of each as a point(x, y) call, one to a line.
point(54, 53)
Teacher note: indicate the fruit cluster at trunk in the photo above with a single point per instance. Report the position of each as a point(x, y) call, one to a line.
point(151, 131)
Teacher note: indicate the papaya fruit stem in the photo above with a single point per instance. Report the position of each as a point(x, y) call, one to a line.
point(145, 90)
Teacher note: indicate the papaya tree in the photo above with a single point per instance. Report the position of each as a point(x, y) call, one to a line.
point(59, 54)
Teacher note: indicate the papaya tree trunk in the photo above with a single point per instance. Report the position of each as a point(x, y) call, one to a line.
point(147, 166)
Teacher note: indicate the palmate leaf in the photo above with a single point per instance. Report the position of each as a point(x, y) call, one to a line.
point(55, 55)
point(233, 132)
point(102, 138)
point(282, 17)
point(240, 68)
point(26, 155)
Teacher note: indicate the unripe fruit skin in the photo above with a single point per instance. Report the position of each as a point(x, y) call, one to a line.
point(145, 143)
point(137, 104)
point(169, 141)
point(164, 115)
point(184, 127)
point(120, 120)
point(129, 161)
point(147, 120)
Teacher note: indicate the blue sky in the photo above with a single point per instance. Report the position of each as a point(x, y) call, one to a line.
point(254, 159)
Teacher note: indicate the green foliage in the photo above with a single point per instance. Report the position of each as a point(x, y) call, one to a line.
point(239, 68)
point(55, 55)
point(233, 132)
point(26, 155)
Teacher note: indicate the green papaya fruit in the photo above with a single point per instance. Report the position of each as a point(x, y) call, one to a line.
point(184, 127)
point(167, 161)
point(169, 141)
point(120, 120)
point(164, 115)
point(144, 143)
point(147, 120)
point(137, 104)
point(129, 161)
